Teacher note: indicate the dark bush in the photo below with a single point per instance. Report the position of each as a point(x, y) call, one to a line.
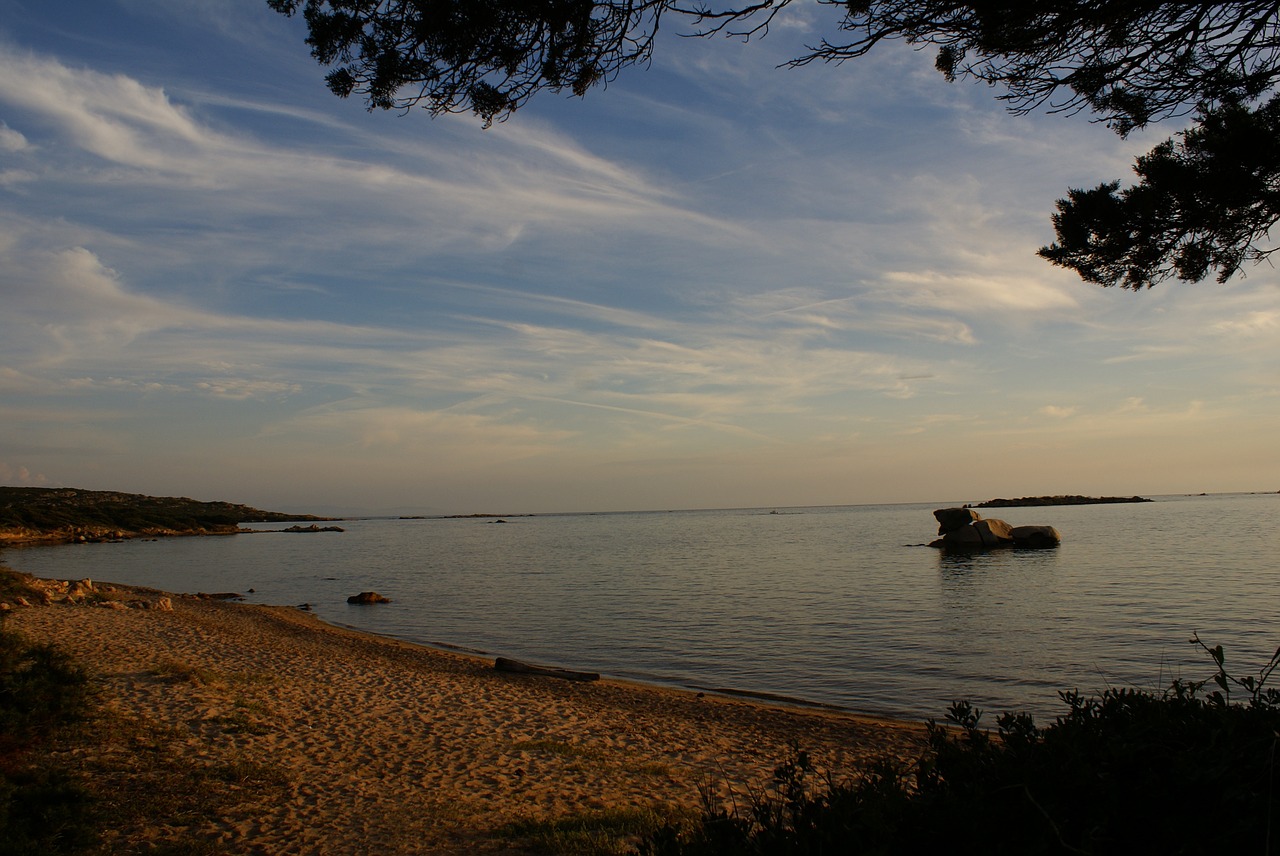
point(42, 693)
point(40, 687)
point(1125, 772)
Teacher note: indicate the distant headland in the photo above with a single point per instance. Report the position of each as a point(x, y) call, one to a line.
point(35, 515)
point(1071, 499)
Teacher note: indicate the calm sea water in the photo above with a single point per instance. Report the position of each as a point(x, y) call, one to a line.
point(828, 605)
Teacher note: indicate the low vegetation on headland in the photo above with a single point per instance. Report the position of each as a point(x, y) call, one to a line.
point(1071, 499)
point(54, 515)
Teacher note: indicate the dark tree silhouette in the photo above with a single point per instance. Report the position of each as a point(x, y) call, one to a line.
point(1204, 203)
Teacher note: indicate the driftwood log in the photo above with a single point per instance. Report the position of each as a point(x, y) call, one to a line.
point(504, 664)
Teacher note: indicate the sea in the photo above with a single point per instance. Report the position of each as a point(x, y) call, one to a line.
point(832, 606)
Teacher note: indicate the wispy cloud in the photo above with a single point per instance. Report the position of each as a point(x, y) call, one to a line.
point(11, 140)
point(1257, 323)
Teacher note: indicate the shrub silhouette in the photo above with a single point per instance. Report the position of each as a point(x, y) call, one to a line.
point(42, 693)
point(1183, 771)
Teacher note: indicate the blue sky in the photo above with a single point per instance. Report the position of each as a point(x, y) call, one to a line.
point(714, 283)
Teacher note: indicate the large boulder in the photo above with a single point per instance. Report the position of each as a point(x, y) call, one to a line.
point(978, 535)
point(963, 529)
point(1036, 537)
point(950, 519)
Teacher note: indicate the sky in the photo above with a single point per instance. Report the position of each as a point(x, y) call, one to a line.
point(713, 283)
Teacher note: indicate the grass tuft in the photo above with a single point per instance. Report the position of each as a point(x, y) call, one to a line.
point(602, 832)
point(180, 671)
point(559, 748)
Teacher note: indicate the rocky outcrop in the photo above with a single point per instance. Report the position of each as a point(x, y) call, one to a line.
point(963, 529)
point(47, 592)
point(950, 519)
point(1069, 499)
point(981, 535)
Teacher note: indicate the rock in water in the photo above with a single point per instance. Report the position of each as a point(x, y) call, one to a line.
point(964, 529)
point(950, 519)
point(979, 535)
point(368, 597)
point(1036, 537)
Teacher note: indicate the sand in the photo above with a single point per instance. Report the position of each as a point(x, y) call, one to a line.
point(387, 747)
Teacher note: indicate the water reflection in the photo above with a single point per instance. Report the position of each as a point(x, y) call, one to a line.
point(999, 608)
point(957, 565)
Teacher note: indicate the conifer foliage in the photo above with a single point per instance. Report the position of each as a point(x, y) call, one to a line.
point(1204, 202)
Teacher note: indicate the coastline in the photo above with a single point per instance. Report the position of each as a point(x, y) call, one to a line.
point(387, 746)
point(74, 535)
point(66, 515)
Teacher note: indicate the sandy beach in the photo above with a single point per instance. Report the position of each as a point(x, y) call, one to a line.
point(380, 746)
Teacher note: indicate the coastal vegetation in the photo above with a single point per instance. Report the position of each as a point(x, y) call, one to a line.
point(1183, 771)
point(44, 697)
point(600, 832)
point(39, 514)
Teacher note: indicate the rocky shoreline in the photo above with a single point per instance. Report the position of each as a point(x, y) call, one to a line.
point(46, 592)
